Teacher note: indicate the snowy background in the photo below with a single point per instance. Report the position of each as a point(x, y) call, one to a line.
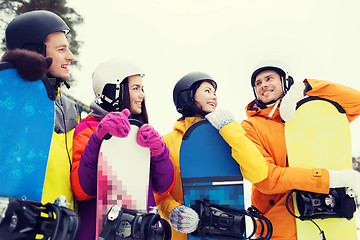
point(224, 38)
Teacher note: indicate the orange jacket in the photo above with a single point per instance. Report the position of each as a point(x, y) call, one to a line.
point(268, 134)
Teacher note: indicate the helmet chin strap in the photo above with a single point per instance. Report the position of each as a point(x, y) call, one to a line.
point(274, 108)
point(274, 103)
point(117, 101)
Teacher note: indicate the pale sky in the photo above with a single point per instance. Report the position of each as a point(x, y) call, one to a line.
point(226, 39)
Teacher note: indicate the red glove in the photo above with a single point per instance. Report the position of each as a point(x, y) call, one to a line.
point(115, 123)
point(148, 137)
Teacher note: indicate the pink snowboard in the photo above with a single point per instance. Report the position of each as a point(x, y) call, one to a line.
point(123, 175)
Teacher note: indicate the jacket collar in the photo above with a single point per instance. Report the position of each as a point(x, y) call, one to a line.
point(253, 110)
point(182, 125)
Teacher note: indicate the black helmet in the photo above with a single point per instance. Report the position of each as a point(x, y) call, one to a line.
point(29, 30)
point(185, 88)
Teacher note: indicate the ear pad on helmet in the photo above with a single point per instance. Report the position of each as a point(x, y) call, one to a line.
point(184, 100)
point(113, 91)
point(289, 82)
point(113, 95)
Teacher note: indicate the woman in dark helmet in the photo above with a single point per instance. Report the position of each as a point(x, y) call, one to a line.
point(195, 98)
point(119, 95)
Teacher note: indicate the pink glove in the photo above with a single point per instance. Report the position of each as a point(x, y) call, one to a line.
point(148, 137)
point(115, 123)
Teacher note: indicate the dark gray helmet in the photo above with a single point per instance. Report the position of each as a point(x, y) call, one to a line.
point(185, 88)
point(29, 30)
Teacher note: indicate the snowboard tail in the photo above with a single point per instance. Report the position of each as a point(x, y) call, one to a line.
point(215, 188)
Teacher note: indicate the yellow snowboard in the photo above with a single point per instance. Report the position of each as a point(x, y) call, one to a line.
point(319, 137)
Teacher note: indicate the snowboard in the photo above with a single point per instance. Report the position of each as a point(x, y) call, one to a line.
point(27, 125)
point(208, 169)
point(123, 174)
point(319, 137)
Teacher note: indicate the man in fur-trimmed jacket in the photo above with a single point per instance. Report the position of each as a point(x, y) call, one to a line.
point(39, 38)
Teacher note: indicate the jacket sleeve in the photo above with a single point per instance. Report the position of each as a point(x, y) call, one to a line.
point(252, 164)
point(162, 173)
point(347, 97)
point(168, 201)
point(84, 168)
point(282, 179)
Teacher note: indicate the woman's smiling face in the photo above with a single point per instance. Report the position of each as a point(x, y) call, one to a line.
point(137, 94)
point(205, 97)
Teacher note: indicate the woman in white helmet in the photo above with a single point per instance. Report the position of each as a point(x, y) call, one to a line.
point(119, 95)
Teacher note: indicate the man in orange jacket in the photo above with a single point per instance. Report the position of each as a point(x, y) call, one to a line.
point(265, 127)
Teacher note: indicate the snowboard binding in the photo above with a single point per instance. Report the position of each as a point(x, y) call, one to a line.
point(223, 222)
point(339, 203)
point(122, 223)
point(27, 220)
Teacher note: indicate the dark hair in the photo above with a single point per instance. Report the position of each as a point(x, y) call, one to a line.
point(143, 116)
point(191, 110)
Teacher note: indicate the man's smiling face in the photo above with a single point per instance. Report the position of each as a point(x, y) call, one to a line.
point(268, 86)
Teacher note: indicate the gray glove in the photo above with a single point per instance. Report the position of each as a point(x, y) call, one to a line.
point(220, 118)
point(184, 219)
point(289, 101)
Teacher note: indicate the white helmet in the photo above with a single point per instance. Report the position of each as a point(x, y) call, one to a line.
point(286, 80)
point(107, 80)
